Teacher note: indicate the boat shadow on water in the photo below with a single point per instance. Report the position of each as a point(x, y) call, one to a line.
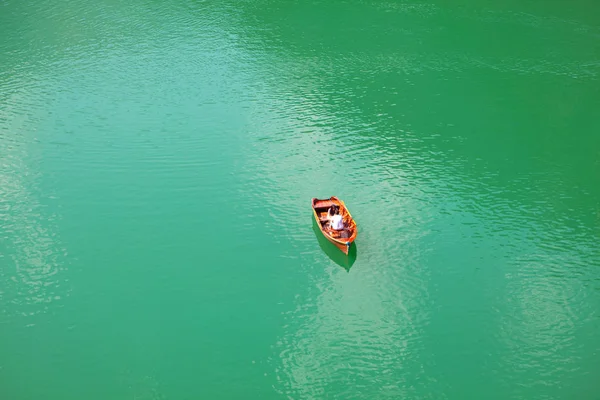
point(335, 254)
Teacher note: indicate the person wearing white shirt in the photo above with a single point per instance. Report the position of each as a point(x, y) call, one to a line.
point(336, 221)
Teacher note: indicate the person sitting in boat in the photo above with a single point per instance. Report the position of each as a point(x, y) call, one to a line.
point(336, 221)
point(331, 212)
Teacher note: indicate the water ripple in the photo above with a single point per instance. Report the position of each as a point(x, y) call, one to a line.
point(148, 125)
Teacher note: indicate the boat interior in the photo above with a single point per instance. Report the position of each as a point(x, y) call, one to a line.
point(321, 208)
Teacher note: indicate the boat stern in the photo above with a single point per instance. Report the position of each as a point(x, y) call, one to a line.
point(347, 247)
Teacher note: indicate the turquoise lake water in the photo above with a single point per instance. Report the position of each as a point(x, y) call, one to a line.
point(157, 161)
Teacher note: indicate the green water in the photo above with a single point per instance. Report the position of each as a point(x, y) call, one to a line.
point(157, 161)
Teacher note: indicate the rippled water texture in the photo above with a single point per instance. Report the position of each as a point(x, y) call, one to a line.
point(157, 161)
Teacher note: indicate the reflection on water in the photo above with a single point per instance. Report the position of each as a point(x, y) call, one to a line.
point(31, 256)
point(335, 254)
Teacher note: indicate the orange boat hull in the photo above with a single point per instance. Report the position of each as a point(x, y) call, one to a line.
point(340, 239)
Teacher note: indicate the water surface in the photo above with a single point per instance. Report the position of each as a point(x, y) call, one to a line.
point(157, 163)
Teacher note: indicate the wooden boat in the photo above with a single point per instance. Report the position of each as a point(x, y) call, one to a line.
point(341, 239)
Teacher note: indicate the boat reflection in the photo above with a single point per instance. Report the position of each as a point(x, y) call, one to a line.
point(335, 254)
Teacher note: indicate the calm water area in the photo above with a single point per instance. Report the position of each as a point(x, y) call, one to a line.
point(157, 161)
